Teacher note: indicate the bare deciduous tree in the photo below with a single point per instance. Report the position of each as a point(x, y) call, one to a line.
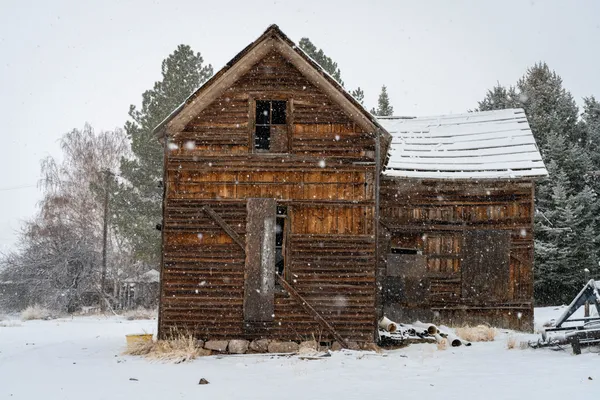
point(57, 262)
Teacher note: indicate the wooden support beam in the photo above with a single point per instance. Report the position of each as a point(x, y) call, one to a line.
point(311, 311)
point(236, 238)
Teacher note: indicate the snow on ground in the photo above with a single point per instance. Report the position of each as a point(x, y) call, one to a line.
point(545, 315)
point(80, 358)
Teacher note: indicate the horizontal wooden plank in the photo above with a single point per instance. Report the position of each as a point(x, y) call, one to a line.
point(466, 166)
point(450, 158)
point(532, 173)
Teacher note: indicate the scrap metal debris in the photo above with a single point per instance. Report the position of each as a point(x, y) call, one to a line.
point(578, 332)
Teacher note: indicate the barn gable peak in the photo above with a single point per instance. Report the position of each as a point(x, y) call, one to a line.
point(273, 39)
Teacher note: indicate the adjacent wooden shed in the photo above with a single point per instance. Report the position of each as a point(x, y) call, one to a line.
point(457, 205)
point(273, 181)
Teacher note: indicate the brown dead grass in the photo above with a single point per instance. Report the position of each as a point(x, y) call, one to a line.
point(511, 342)
point(442, 344)
point(516, 342)
point(479, 333)
point(36, 312)
point(177, 350)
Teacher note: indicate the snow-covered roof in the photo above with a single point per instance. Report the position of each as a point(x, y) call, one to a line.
point(479, 145)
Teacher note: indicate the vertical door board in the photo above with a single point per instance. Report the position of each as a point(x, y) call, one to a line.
point(485, 265)
point(259, 274)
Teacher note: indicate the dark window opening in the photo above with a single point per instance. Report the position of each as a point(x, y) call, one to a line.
point(262, 138)
point(399, 250)
point(269, 113)
point(263, 112)
point(278, 114)
point(280, 240)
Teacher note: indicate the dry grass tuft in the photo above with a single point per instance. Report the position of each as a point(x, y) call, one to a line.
point(516, 342)
point(177, 350)
point(511, 342)
point(442, 344)
point(36, 312)
point(140, 313)
point(479, 333)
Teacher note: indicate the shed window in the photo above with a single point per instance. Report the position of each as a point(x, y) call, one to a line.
point(270, 133)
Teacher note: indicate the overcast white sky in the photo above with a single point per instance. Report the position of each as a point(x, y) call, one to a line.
point(64, 63)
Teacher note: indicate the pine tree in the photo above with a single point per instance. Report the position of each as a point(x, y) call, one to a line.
point(499, 98)
point(139, 198)
point(359, 95)
point(319, 56)
point(590, 120)
point(550, 266)
point(566, 241)
point(548, 105)
point(384, 108)
point(567, 227)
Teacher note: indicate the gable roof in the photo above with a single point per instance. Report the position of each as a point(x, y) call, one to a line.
point(272, 39)
point(480, 145)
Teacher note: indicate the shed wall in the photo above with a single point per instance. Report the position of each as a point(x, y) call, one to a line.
point(477, 241)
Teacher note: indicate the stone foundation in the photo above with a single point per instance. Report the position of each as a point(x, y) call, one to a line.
point(239, 346)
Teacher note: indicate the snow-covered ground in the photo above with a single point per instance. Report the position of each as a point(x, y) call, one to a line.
point(80, 358)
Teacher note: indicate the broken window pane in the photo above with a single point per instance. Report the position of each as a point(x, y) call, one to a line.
point(262, 138)
point(263, 112)
point(279, 110)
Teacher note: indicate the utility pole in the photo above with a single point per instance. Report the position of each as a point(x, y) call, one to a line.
point(107, 177)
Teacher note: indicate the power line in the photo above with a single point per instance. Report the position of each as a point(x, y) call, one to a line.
point(16, 188)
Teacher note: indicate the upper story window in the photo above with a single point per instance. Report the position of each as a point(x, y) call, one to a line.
point(270, 133)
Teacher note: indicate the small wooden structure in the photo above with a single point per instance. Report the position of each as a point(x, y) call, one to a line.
point(139, 291)
point(271, 210)
point(457, 210)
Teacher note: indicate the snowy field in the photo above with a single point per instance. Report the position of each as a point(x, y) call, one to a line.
point(80, 358)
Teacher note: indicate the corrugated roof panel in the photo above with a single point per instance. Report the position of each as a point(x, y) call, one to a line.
point(480, 145)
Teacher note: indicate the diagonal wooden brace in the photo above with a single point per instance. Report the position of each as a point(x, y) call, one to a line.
point(311, 311)
point(226, 227)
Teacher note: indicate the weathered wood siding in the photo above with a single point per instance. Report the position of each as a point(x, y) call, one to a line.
point(477, 238)
point(327, 182)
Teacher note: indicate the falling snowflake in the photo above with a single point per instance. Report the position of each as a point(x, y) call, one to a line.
point(523, 232)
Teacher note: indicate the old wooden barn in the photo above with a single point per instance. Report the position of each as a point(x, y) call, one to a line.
point(456, 207)
point(290, 212)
